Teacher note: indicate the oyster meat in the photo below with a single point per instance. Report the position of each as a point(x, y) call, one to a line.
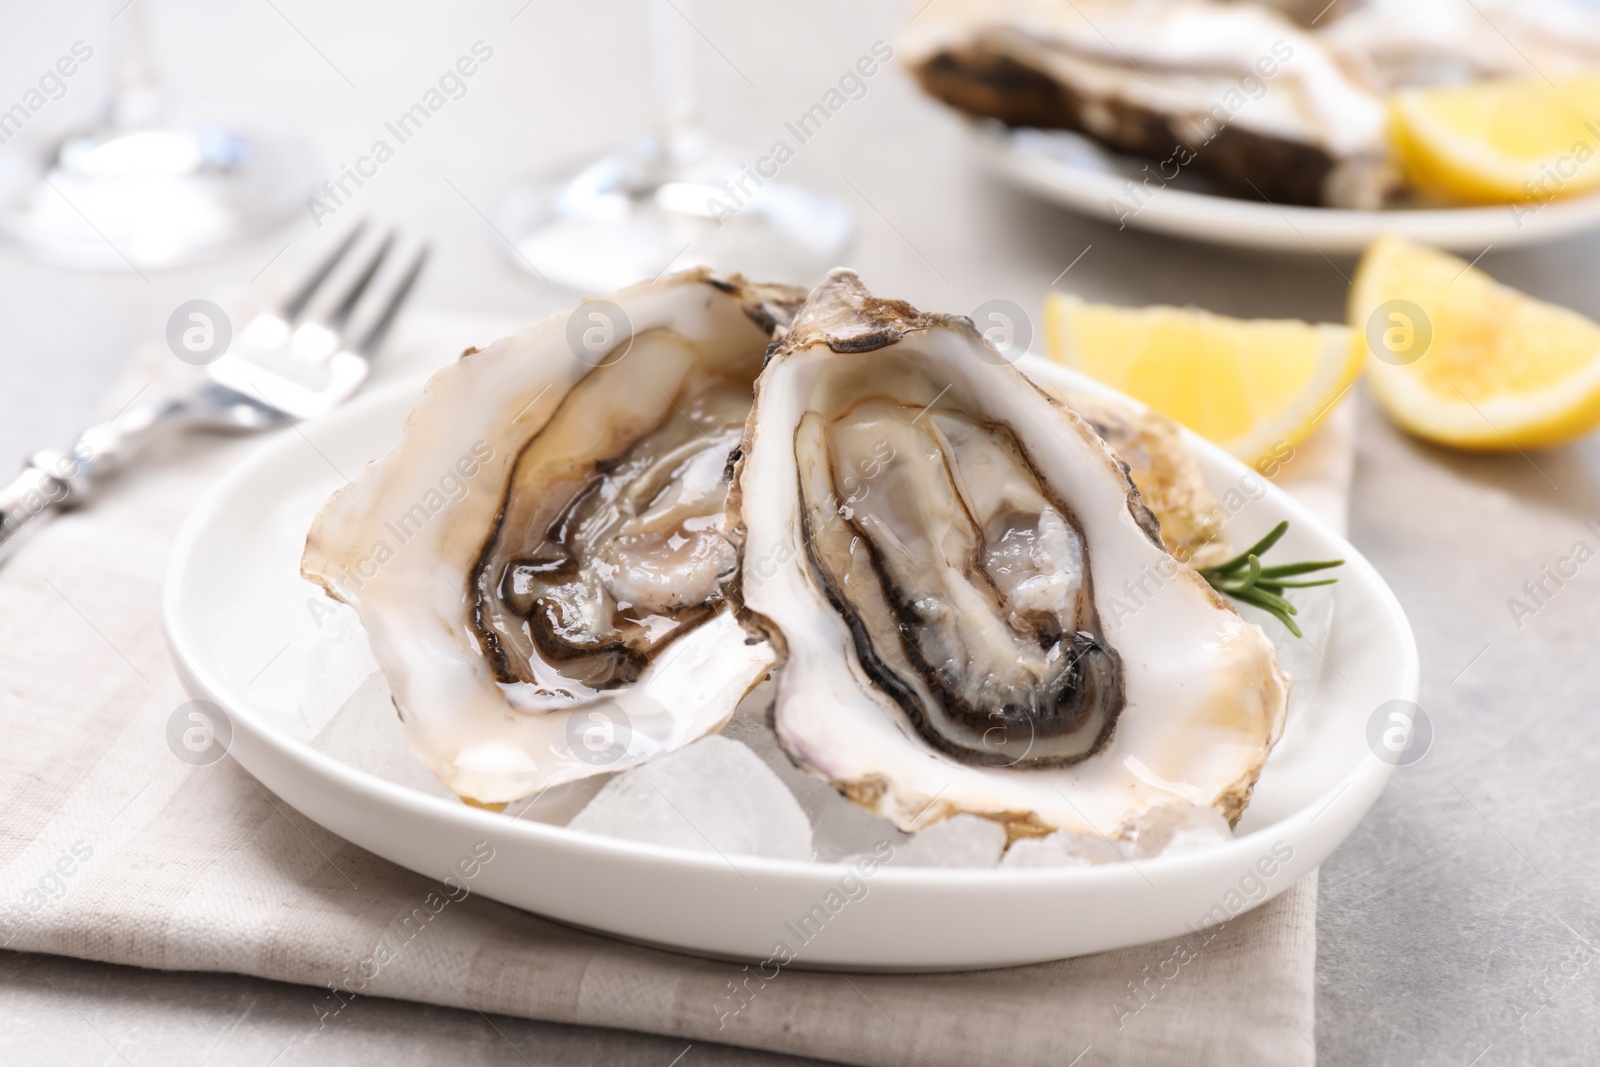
point(942, 553)
point(541, 564)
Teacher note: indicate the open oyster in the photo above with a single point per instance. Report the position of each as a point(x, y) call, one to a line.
point(942, 553)
point(1234, 91)
point(539, 563)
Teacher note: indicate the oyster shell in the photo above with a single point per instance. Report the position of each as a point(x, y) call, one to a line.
point(943, 554)
point(1166, 474)
point(539, 563)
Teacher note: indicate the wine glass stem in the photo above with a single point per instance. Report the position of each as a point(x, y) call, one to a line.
point(671, 83)
point(136, 86)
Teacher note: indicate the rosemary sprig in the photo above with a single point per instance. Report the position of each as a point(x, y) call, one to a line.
point(1247, 581)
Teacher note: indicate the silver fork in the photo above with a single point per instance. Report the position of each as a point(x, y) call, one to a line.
point(284, 366)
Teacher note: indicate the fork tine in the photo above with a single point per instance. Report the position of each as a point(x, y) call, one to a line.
point(341, 314)
point(295, 306)
point(380, 327)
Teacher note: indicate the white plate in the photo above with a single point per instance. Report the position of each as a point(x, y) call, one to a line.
point(233, 597)
point(1073, 171)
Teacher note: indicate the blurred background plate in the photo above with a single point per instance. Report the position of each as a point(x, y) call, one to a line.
point(1077, 173)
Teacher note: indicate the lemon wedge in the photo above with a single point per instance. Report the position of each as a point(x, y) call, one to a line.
point(1501, 141)
point(1255, 387)
point(1464, 361)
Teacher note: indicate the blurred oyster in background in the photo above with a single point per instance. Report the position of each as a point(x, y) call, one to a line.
point(1237, 92)
point(1396, 44)
point(1275, 99)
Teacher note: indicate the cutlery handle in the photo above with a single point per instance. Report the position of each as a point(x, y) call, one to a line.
point(25, 501)
point(52, 479)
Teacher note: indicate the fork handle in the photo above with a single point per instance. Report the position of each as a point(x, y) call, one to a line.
point(51, 479)
point(24, 502)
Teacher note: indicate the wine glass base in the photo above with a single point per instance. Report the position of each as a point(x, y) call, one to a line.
point(156, 196)
point(631, 216)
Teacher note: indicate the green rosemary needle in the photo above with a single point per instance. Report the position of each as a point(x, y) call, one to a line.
point(1247, 581)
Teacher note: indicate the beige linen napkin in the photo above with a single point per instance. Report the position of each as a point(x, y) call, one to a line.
point(112, 849)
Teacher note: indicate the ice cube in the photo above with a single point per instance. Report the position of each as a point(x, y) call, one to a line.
point(1060, 849)
point(338, 661)
point(959, 841)
point(715, 795)
point(842, 829)
point(365, 733)
point(839, 828)
point(558, 804)
point(1171, 829)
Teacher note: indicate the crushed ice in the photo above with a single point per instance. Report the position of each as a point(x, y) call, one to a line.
point(738, 793)
point(715, 795)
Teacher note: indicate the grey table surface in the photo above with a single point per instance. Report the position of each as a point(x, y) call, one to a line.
point(1456, 925)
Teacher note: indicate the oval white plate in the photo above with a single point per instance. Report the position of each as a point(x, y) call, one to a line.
point(233, 597)
point(1074, 172)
